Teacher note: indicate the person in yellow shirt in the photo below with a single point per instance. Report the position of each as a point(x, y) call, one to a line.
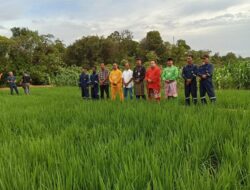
point(115, 79)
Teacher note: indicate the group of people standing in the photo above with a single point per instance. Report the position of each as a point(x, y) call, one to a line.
point(123, 84)
point(12, 82)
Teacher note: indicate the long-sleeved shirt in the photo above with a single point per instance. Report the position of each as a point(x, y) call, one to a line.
point(104, 75)
point(84, 80)
point(94, 80)
point(154, 74)
point(115, 78)
point(170, 73)
point(206, 69)
point(139, 73)
point(190, 72)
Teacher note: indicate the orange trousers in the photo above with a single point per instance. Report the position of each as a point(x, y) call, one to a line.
point(117, 90)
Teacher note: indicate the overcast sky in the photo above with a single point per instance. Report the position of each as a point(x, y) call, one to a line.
point(219, 25)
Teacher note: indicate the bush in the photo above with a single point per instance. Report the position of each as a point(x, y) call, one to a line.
point(68, 76)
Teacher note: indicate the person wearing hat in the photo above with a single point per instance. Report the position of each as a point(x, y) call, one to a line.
point(153, 79)
point(138, 77)
point(115, 79)
point(84, 84)
point(189, 73)
point(169, 76)
point(205, 72)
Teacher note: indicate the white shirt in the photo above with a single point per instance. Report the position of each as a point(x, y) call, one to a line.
point(127, 75)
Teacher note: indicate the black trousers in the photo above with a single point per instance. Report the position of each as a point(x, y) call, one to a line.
point(207, 87)
point(85, 92)
point(138, 97)
point(104, 89)
point(94, 92)
point(191, 89)
point(12, 89)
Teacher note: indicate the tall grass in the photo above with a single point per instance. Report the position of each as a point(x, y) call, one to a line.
point(54, 140)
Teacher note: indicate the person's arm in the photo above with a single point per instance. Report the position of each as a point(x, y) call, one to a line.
point(143, 74)
point(176, 73)
point(110, 77)
point(210, 70)
point(1, 74)
point(119, 80)
point(130, 79)
point(107, 78)
point(184, 76)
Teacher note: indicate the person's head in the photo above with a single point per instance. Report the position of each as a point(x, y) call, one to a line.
point(10, 73)
point(205, 59)
point(84, 70)
point(138, 62)
point(115, 66)
point(170, 62)
point(102, 66)
point(153, 64)
point(190, 59)
point(127, 66)
point(94, 69)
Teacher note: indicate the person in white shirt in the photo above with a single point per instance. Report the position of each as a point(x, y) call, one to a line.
point(127, 78)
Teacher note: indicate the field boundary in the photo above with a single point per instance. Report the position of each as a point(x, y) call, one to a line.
point(32, 86)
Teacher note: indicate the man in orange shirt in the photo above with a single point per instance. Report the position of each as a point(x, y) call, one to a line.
point(153, 79)
point(115, 79)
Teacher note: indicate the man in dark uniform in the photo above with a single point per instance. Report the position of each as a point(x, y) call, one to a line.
point(189, 74)
point(84, 84)
point(94, 82)
point(205, 72)
point(138, 77)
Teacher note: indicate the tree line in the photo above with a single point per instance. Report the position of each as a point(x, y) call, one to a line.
point(46, 58)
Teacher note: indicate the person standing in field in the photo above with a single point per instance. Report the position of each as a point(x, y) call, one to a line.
point(169, 76)
point(94, 81)
point(138, 77)
point(11, 79)
point(205, 72)
point(25, 82)
point(127, 77)
point(103, 76)
point(189, 73)
point(153, 79)
point(115, 79)
point(84, 84)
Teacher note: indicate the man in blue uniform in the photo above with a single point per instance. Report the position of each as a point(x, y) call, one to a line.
point(189, 74)
point(84, 83)
point(205, 72)
point(94, 82)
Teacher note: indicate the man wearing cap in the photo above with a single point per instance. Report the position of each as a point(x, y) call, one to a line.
point(138, 77)
point(115, 79)
point(189, 73)
point(205, 72)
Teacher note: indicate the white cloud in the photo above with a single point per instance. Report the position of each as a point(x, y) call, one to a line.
point(201, 23)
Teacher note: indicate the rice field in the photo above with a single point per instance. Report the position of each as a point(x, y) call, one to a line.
point(54, 140)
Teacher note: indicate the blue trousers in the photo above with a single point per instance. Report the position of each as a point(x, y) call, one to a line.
point(13, 88)
point(207, 87)
point(94, 93)
point(128, 91)
point(191, 89)
point(85, 92)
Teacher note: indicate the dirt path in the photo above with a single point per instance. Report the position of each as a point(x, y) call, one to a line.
point(31, 86)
